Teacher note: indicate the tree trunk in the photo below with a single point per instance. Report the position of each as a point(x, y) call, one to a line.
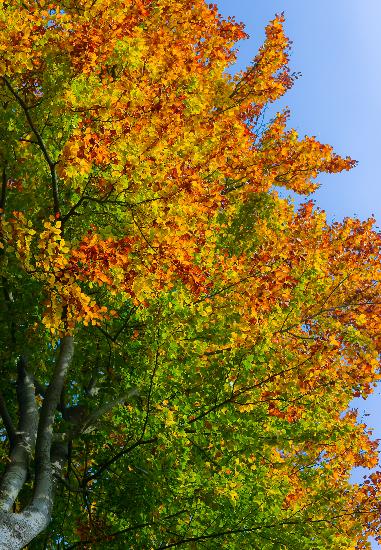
point(18, 529)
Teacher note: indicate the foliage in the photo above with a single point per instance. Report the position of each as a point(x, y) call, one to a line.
point(220, 335)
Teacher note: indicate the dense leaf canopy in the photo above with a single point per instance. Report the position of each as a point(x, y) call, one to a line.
point(192, 340)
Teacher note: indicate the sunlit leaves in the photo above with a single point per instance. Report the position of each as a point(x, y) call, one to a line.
point(246, 326)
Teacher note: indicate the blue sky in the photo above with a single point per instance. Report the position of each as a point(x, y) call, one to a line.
point(336, 47)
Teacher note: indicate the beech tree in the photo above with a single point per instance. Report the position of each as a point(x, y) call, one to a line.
point(179, 345)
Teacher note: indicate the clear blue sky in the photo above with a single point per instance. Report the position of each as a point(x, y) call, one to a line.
point(337, 48)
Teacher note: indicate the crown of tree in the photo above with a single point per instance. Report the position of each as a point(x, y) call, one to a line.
point(179, 345)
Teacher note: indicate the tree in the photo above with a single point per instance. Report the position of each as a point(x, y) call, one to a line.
point(180, 347)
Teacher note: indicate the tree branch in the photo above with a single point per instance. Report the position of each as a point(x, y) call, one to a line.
point(85, 425)
point(18, 529)
point(17, 469)
point(43, 469)
point(41, 144)
point(239, 530)
point(116, 457)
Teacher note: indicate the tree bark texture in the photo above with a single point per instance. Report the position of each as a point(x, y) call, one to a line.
point(34, 437)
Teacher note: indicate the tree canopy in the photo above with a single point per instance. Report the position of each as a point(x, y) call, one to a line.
point(180, 346)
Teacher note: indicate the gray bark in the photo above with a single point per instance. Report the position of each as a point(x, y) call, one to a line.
point(16, 472)
point(43, 478)
point(18, 529)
